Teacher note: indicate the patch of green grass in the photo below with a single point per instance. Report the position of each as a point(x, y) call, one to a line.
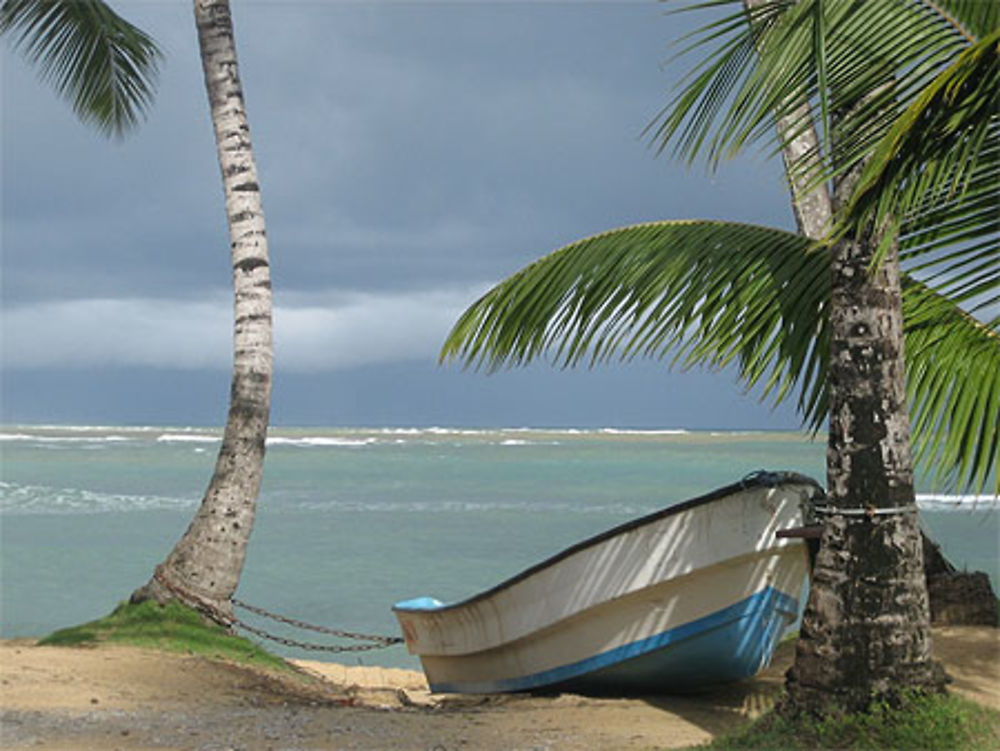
point(922, 723)
point(172, 627)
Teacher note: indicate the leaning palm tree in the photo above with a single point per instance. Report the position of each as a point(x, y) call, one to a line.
point(898, 246)
point(204, 567)
point(107, 68)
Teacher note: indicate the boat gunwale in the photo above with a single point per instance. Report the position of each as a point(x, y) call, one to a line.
point(759, 479)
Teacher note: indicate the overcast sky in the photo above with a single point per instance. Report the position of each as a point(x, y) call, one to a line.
point(411, 154)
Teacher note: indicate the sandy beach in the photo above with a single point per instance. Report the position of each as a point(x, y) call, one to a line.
point(112, 697)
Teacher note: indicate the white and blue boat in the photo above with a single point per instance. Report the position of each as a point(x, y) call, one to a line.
point(692, 595)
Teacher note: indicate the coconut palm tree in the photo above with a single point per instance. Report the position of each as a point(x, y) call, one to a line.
point(204, 567)
point(107, 68)
point(904, 136)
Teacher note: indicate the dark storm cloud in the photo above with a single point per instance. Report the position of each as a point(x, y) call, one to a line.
point(398, 145)
point(410, 153)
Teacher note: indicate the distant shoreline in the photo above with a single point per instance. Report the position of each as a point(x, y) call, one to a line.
point(568, 429)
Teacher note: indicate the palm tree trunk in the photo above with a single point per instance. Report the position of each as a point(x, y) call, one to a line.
point(204, 567)
point(866, 629)
point(811, 204)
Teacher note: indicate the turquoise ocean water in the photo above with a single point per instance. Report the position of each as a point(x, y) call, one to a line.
point(352, 520)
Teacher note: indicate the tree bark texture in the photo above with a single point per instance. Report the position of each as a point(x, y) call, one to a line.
point(812, 205)
point(866, 629)
point(204, 567)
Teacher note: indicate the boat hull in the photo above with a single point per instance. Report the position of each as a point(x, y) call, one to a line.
point(687, 658)
point(689, 596)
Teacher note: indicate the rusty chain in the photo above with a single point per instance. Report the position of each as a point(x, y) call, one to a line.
point(377, 642)
point(206, 606)
point(314, 647)
point(193, 599)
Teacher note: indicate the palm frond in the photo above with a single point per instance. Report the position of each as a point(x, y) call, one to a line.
point(715, 293)
point(861, 62)
point(700, 115)
point(953, 382)
point(951, 230)
point(940, 161)
point(914, 85)
point(105, 66)
point(702, 292)
point(974, 19)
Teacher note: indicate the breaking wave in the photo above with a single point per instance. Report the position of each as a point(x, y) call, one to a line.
point(16, 499)
point(43, 439)
point(319, 441)
point(187, 438)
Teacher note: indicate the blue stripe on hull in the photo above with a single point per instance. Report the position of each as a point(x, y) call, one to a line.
point(730, 644)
